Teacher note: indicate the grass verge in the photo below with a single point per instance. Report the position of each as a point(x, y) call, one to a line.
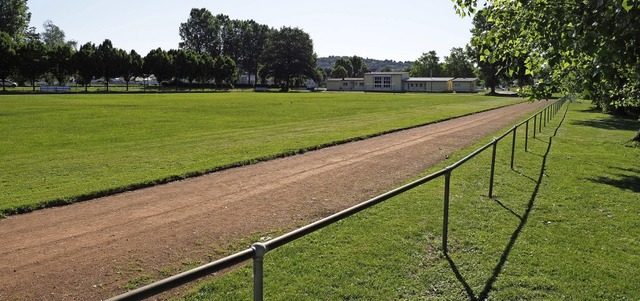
point(59, 149)
point(563, 226)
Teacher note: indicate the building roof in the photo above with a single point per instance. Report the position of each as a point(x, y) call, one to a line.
point(465, 79)
point(386, 73)
point(428, 79)
point(345, 79)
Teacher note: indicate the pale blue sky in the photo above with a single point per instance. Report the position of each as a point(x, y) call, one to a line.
point(395, 30)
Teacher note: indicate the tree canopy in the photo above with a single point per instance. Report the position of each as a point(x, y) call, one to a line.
point(590, 48)
point(14, 18)
point(288, 54)
point(428, 65)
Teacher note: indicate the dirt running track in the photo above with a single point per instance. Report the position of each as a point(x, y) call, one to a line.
point(90, 250)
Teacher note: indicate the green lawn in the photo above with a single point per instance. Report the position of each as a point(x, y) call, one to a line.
point(63, 148)
point(564, 225)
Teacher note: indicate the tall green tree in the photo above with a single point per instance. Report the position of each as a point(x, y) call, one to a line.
point(321, 76)
point(14, 18)
point(32, 60)
point(109, 64)
point(131, 65)
point(59, 61)
point(224, 70)
point(345, 63)
point(490, 71)
point(289, 54)
point(589, 47)
point(206, 68)
point(359, 66)
point(7, 57)
point(458, 64)
point(428, 65)
point(339, 72)
point(254, 38)
point(186, 64)
point(199, 33)
point(86, 61)
point(159, 63)
point(52, 35)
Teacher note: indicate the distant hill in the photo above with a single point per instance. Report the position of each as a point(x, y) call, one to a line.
point(373, 64)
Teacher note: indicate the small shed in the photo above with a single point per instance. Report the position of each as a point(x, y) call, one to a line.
point(465, 85)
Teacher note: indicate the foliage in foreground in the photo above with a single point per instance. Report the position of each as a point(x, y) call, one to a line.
point(563, 226)
point(587, 48)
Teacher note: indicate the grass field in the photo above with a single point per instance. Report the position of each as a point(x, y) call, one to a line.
point(64, 148)
point(564, 226)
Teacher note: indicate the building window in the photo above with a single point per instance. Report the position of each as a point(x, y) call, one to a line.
point(345, 84)
point(377, 82)
point(387, 81)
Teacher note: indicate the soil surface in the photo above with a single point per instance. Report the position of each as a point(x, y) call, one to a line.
point(92, 250)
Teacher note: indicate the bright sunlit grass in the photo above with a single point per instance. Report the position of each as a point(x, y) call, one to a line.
point(564, 230)
point(63, 148)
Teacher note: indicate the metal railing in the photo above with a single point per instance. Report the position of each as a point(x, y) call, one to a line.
point(258, 250)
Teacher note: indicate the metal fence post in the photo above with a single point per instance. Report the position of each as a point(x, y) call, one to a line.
point(258, 271)
point(493, 167)
point(526, 136)
point(544, 115)
point(513, 146)
point(445, 219)
point(540, 124)
point(535, 125)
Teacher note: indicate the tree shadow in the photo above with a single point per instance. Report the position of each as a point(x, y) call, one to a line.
point(484, 294)
point(607, 122)
point(621, 180)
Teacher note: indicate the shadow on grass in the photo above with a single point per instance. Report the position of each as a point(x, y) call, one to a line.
point(621, 180)
point(484, 294)
point(608, 122)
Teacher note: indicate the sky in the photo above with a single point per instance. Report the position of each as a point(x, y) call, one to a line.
point(400, 31)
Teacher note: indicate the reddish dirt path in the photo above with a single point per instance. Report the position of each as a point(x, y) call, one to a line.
point(90, 250)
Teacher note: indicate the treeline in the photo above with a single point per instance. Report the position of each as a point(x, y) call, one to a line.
point(214, 49)
point(373, 65)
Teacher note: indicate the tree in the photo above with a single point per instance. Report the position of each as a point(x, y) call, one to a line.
point(59, 61)
point(131, 65)
point(32, 60)
point(52, 35)
point(7, 57)
point(199, 33)
point(206, 67)
point(428, 65)
point(288, 54)
point(109, 64)
point(254, 38)
point(14, 18)
point(489, 72)
point(458, 64)
point(359, 66)
point(186, 64)
point(589, 47)
point(321, 76)
point(159, 63)
point(346, 64)
point(86, 61)
point(339, 72)
point(224, 70)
